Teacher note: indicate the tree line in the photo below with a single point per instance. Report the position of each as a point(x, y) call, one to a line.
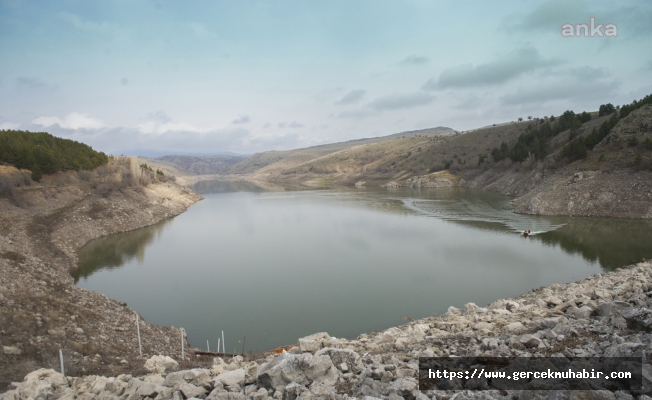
point(534, 141)
point(42, 153)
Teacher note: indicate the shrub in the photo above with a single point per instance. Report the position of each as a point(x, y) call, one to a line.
point(606, 109)
point(633, 141)
point(647, 143)
point(86, 176)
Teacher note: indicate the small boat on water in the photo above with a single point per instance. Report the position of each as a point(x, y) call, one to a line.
point(527, 233)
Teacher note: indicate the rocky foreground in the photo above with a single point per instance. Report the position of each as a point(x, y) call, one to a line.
point(41, 308)
point(603, 315)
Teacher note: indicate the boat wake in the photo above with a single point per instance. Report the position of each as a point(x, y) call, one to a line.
point(478, 212)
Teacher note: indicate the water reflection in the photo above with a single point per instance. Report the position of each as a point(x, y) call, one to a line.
point(612, 242)
point(114, 251)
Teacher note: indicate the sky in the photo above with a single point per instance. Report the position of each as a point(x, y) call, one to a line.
point(156, 77)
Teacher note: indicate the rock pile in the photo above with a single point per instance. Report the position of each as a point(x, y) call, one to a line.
point(603, 315)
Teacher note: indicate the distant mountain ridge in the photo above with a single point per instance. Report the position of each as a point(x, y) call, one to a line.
point(202, 165)
point(242, 164)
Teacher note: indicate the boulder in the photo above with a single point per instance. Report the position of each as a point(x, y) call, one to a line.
point(190, 390)
point(299, 368)
point(639, 319)
point(11, 350)
point(312, 343)
point(348, 357)
point(583, 312)
point(231, 378)
point(41, 384)
point(530, 341)
point(148, 389)
point(513, 327)
point(406, 388)
point(261, 394)
point(161, 364)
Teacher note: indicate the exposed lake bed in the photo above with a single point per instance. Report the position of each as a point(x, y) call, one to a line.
point(276, 266)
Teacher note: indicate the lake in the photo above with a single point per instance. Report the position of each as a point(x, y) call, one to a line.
point(279, 265)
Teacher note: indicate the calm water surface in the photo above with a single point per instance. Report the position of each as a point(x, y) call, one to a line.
point(276, 266)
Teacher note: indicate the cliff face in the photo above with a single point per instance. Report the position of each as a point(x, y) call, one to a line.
point(41, 309)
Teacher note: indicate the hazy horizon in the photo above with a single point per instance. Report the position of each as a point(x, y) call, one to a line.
point(245, 77)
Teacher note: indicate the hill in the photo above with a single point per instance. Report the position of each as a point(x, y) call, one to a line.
point(541, 162)
point(277, 161)
point(202, 165)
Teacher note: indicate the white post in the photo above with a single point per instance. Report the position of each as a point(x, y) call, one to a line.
point(140, 347)
point(218, 345)
point(183, 355)
point(223, 351)
point(207, 347)
point(63, 372)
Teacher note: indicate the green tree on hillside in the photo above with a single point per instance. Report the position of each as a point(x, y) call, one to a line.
point(43, 153)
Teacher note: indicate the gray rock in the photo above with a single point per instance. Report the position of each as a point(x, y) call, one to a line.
point(161, 364)
point(610, 308)
point(299, 368)
point(190, 390)
point(530, 341)
point(261, 394)
point(406, 388)
point(231, 378)
point(313, 342)
point(579, 313)
point(639, 319)
point(347, 356)
point(11, 350)
point(229, 396)
point(41, 384)
point(292, 391)
point(148, 389)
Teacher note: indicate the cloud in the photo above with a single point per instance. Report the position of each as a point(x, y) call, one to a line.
point(400, 101)
point(561, 90)
point(353, 97)
point(588, 73)
point(414, 60)
point(355, 114)
point(9, 125)
point(550, 16)
point(89, 26)
point(243, 119)
point(156, 128)
point(499, 71)
point(159, 122)
point(29, 83)
point(293, 124)
point(71, 121)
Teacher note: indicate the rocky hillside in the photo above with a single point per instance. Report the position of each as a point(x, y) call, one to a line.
point(42, 226)
point(576, 164)
point(614, 180)
point(603, 315)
